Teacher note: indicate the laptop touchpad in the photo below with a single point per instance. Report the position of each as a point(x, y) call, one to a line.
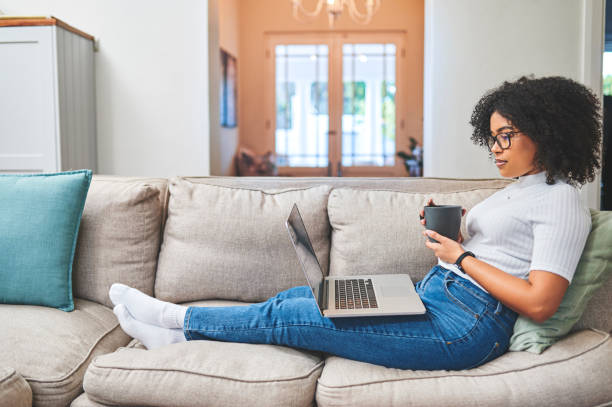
point(393, 291)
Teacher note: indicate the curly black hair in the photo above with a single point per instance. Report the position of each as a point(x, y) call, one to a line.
point(560, 115)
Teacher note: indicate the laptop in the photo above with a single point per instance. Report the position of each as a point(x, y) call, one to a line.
point(352, 296)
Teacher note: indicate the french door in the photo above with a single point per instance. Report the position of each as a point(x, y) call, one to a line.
point(334, 103)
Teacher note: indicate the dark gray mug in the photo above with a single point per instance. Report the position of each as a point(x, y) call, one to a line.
point(444, 219)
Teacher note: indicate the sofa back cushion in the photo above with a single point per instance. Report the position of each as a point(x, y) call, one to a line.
point(119, 236)
point(379, 232)
point(232, 243)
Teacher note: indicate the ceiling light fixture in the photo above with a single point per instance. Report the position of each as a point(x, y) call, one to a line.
point(335, 8)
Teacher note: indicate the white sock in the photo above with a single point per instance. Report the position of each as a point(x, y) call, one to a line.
point(151, 336)
point(148, 309)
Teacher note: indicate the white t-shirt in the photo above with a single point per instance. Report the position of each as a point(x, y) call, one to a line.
point(529, 225)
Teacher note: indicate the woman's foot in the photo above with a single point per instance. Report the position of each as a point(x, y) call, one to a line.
point(148, 309)
point(151, 336)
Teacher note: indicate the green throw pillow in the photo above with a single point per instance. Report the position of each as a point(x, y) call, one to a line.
point(39, 222)
point(592, 271)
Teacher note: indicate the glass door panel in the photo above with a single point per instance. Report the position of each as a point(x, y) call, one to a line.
point(301, 105)
point(368, 113)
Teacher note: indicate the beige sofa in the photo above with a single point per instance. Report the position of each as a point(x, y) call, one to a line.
point(221, 241)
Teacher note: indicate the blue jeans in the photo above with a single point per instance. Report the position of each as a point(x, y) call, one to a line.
point(463, 327)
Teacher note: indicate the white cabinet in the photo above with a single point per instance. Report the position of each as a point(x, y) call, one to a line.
point(47, 97)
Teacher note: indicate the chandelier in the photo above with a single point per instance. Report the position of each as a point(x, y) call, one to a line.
point(334, 9)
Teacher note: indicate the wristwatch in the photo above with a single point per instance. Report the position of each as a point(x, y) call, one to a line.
point(460, 259)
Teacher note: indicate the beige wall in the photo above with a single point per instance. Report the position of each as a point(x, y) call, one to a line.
point(260, 16)
point(228, 24)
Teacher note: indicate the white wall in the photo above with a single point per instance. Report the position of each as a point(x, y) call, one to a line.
point(151, 80)
point(472, 46)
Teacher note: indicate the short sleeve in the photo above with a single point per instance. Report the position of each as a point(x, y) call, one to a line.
point(561, 225)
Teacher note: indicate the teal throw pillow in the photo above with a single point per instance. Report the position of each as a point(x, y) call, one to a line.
point(594, 267)
point(39, 223)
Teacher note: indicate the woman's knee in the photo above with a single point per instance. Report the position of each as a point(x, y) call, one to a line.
point(295, 292)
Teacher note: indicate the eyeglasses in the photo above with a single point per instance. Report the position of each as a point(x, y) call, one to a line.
point(502, 140)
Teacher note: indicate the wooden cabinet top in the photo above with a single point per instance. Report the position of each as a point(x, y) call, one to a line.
point(15, 21)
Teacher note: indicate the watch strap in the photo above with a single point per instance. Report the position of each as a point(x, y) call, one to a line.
point(463, 256)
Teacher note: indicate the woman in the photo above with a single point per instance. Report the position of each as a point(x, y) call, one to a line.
point(525, 242)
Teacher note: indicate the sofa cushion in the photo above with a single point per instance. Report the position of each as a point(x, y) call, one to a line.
point(84, 401)
point(597, 314)
point(576, 371)
point(39, 223)
point(119, 236)
point(593, 270)
point(14, 390)
point(378, 231)
point(207, 373)
point(216, 236)
point(51, 349)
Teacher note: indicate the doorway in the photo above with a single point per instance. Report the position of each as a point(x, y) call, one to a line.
point(334, 103)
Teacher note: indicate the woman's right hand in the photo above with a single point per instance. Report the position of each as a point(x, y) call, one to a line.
point(431, 203)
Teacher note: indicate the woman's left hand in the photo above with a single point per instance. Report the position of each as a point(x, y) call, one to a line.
point(447, 250)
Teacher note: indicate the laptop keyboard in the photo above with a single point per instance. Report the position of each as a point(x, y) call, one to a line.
point(355, 294)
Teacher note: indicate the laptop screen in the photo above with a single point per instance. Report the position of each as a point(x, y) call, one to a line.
point(305, 252)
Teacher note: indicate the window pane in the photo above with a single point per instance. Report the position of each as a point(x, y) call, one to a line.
point(607, 73)
point(285, 92)
point(368, 118)
point(318, 98)
point(302, 120)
